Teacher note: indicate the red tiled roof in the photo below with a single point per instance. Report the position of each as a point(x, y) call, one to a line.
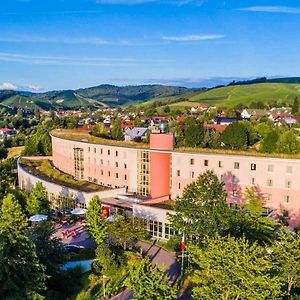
point(218, 127)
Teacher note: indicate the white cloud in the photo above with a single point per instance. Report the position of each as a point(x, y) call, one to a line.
point(194, 37)
point(272, 9)
point(11, 86)
point(96, 41)
point(84, 61)
point(8, 86)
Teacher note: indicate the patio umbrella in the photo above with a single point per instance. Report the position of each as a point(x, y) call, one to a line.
point(78, 211)
point(38, 218)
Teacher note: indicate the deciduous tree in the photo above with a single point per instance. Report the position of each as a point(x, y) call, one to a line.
point(148, 282)
point(229, 268)
point(96, 221)
point(21, 274)
point(37, 202)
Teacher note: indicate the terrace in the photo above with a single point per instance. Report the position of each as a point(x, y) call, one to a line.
point(43, 169)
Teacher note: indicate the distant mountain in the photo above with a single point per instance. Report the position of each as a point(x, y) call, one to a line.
point(102, 95)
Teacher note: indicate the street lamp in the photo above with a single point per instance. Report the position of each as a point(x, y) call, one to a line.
point(103, 278)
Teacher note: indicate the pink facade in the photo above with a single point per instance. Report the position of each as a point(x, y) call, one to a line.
point(171, 171)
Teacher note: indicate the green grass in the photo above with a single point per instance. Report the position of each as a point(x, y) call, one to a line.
point(44, 170)
point(230, 96)
point(15, 152)
point(75, 135)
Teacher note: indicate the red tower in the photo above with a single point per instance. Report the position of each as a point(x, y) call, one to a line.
point(160, 165)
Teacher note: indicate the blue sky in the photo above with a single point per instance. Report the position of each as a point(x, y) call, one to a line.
point(60, 44)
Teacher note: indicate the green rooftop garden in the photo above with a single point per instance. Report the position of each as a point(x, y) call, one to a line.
point(44, 170)
point(248, 152)
point(83, 136)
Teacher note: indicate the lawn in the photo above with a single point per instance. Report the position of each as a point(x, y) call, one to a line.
point(15, 152)
point(45, 170)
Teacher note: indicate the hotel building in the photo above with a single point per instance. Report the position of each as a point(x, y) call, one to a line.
point(141, 178)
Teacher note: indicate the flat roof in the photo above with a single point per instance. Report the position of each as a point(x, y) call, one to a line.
point(86, 137)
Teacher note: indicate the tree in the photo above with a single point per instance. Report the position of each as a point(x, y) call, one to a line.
point(148, 282)
point(286, 256)
point(21, 274)
point(214, 140)
point(288, 143)
point(137, 122)
point(50, 250)
point(229, 268)
point(249, 221)
point(295, 106)
point(117, 133)
point(96, 222)
point(202, 209)
point(38, 144)
point(106, 262)
point(37, 202)
point(235, 136)
point(3, 152)
point(124, 231)
point(194, 135)
point(268, 144)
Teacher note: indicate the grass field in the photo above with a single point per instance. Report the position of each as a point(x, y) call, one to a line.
point(230, 96)
point(15, 152)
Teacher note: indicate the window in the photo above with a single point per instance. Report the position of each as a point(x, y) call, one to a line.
point(95, 180)
point(253, 167)
point(285, 213)
point(160, 228)
point(95, 150)
point(125, 177)
point(270, 168)
point(101, 172)
point(101, 161)
point(101, 151)
point(117, 153)
point(234, 193)
point(289, 169)
point(192, 161)
point(287, 198)
point(108, 173)
point(269, 182)
point(220, 164)
point(192, 175)
point(206, 163)
point(117, 164)
point(117, 175)
point(89, 149)
point(288, 184)
point(178, 172)
point(108, 152)
point(125, 166)
point(253, 181)
point(236, 165)
point(179, 185)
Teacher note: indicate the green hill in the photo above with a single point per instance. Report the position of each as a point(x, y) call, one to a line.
point(90, 97)
point(230, 96)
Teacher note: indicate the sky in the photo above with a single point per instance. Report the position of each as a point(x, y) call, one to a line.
point(68, 44)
